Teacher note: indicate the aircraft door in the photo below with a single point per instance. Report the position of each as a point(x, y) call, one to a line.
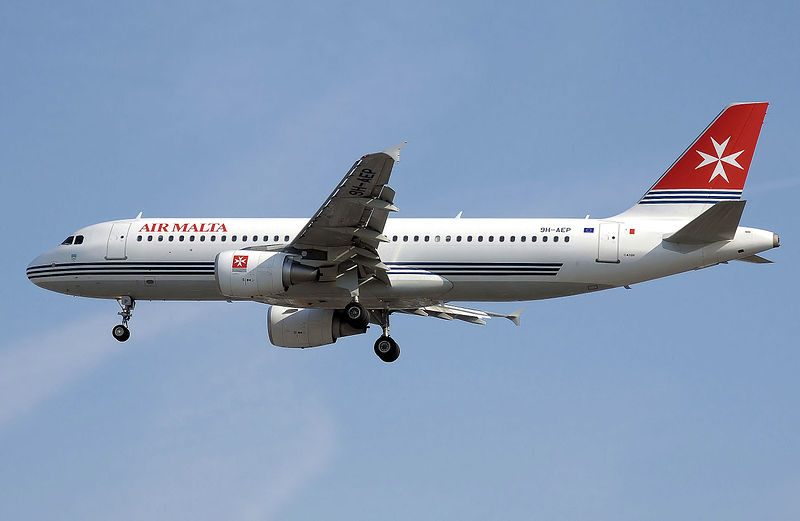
point(608, 245)
point(117, 239)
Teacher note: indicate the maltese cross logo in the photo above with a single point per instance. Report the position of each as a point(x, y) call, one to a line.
point(239, 261)
point(720, 158)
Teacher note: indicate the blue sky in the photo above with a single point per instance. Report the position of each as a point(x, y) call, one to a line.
point(676, 399)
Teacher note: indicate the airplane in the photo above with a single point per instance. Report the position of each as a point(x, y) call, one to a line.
point(350, 266)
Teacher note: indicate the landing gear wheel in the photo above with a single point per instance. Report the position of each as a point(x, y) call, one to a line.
point(121, 333)
point(357, 315)
point(387, 349)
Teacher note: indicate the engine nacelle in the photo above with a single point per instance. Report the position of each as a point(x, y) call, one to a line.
point(251, 273)
point(298, 327)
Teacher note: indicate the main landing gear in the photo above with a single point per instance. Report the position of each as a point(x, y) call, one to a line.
point(120, 331)
point(385, 347)
point(358, 316)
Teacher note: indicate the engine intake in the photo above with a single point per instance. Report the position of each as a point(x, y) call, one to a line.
point(250, 273)
point(296, 327)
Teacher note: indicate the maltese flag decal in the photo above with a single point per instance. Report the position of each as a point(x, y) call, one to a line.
point(239, 262)
point(714, 168)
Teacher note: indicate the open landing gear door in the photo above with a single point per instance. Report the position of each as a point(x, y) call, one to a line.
point(608, 245)
point(117, 240)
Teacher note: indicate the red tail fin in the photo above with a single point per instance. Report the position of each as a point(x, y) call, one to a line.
point(714, 168)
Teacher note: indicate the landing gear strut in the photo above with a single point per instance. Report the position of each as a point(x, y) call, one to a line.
point(385, 347)
point(120, 331)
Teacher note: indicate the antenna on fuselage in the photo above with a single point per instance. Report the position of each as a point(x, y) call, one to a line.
point(139, 216)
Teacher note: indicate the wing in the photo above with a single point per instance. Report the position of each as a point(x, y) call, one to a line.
point(473, 316)
point(346, 230)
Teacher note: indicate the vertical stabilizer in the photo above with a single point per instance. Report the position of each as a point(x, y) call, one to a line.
point(713, 169)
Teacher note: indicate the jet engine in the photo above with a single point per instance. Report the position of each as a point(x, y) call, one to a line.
point(296, 327)
point(251, 273)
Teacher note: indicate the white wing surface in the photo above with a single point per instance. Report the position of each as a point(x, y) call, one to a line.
point(473, 316)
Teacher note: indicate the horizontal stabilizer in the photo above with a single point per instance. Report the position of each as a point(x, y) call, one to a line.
point(755, 259)
point(718, 223)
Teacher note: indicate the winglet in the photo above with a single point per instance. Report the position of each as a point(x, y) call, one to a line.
point(394, 152)
point(514, 317)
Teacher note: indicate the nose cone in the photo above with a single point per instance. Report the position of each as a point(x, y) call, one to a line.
point(36, 267)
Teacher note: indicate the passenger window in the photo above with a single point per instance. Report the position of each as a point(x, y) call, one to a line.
point(244, 238)
point(149, 238)
point(78, 239)
point(394, 238)
point(213, 238)
point(480, 238)
point(266, 238)
point(139, 238)
point(491, 238)
point(255, 238)
point(512, 239)
point(437, 238)
point(469, 238)
point(191, 238)
point(202, 238)
point(416, 238)
point(180, 238)
point(544, 238)
point(223, 238)
point(233, 238)
point(521, 238)
point(68, 240)
point(458, 238)
point(566, 238)
point(160, 238)
point(502, 238)
point(447, 238)
point(276, 239)
point(533, 239)
point(171, 238)
point(405, 238)
point(427, 238)
point(555, 238)
point(286, 238)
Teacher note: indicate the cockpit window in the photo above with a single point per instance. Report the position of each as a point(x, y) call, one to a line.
point(68, 240)
point(78, 239)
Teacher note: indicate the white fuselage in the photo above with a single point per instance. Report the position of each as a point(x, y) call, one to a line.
point(430, 260)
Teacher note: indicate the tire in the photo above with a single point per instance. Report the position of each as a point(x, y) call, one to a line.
point(120, 332)
point(387, 349)
point(356, 315)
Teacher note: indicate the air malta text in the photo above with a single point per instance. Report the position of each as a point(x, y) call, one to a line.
point(183, 227)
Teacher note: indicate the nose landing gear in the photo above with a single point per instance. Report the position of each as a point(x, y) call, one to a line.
point(120, 331)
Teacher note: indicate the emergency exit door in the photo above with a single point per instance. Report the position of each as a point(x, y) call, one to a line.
point(608, 243)
point(117, 239)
